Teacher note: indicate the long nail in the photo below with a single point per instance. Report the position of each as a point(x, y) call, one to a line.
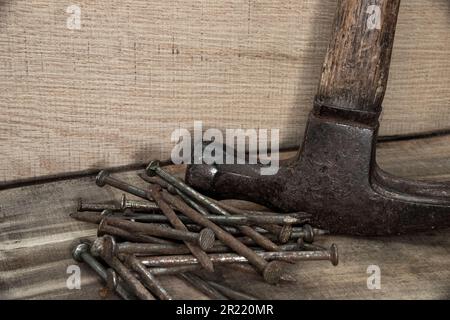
point(135, 205)
point(87, 206)
point(147, 278)
point(81, 253)
point(305, 232)
point(234, 210)
point(243, 267)
point(283, 233)
point(170, 249)
point(270, 271)
point(205, 239)
point(202, 286)
point(222, 220)
point(154, 168)
point(221, 208)
point(105, 229)
point(189, 201)
point(155, 192)
point(224, 258)
point(104, 178)
point(259, 238)
point(174, 270)
point(164, 249)
point(132, 282)
point(250, 242)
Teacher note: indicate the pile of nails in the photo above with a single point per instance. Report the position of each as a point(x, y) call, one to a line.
point(175, 230)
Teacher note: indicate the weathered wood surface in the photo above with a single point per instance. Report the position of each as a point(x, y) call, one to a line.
point(112, 93)
point(36, 235)
point(356, 67)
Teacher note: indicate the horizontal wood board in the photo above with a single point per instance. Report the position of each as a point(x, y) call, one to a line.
point(112, 92)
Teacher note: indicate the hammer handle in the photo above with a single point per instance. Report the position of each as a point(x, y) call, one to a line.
point(356, 67)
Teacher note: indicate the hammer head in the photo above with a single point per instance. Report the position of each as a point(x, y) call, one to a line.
point(335, 178)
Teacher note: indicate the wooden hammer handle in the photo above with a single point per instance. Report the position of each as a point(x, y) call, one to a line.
point(356, 66)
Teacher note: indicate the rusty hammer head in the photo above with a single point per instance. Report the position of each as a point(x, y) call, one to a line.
point(335, 176)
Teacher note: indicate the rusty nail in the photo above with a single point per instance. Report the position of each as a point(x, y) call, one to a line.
point(174, 270)
point(154, 168)
point(189, 201)
point(154, 180)
point(155, 193)
point(81, 253)
point(225, 258)
point(112, 279)
point(167, 249)
point(132, 282)
point(271, 271)
point(105, 229)
point(87, 206)
point(148, 278)
point(136, 205)
point(104, 178)
point(205, 238)
point(234, 220)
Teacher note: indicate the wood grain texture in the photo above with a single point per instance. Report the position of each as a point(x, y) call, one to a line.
point(36, 235)
point(356, 67)
point(113, 92)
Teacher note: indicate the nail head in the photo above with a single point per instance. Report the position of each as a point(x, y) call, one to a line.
point(207, 238)
point(273, 271)
point(334, 255)
point(79, 250)
point(100, 179)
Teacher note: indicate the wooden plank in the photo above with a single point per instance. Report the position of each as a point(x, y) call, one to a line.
point(427, 159)
point(112, 92)
point(36, 235)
